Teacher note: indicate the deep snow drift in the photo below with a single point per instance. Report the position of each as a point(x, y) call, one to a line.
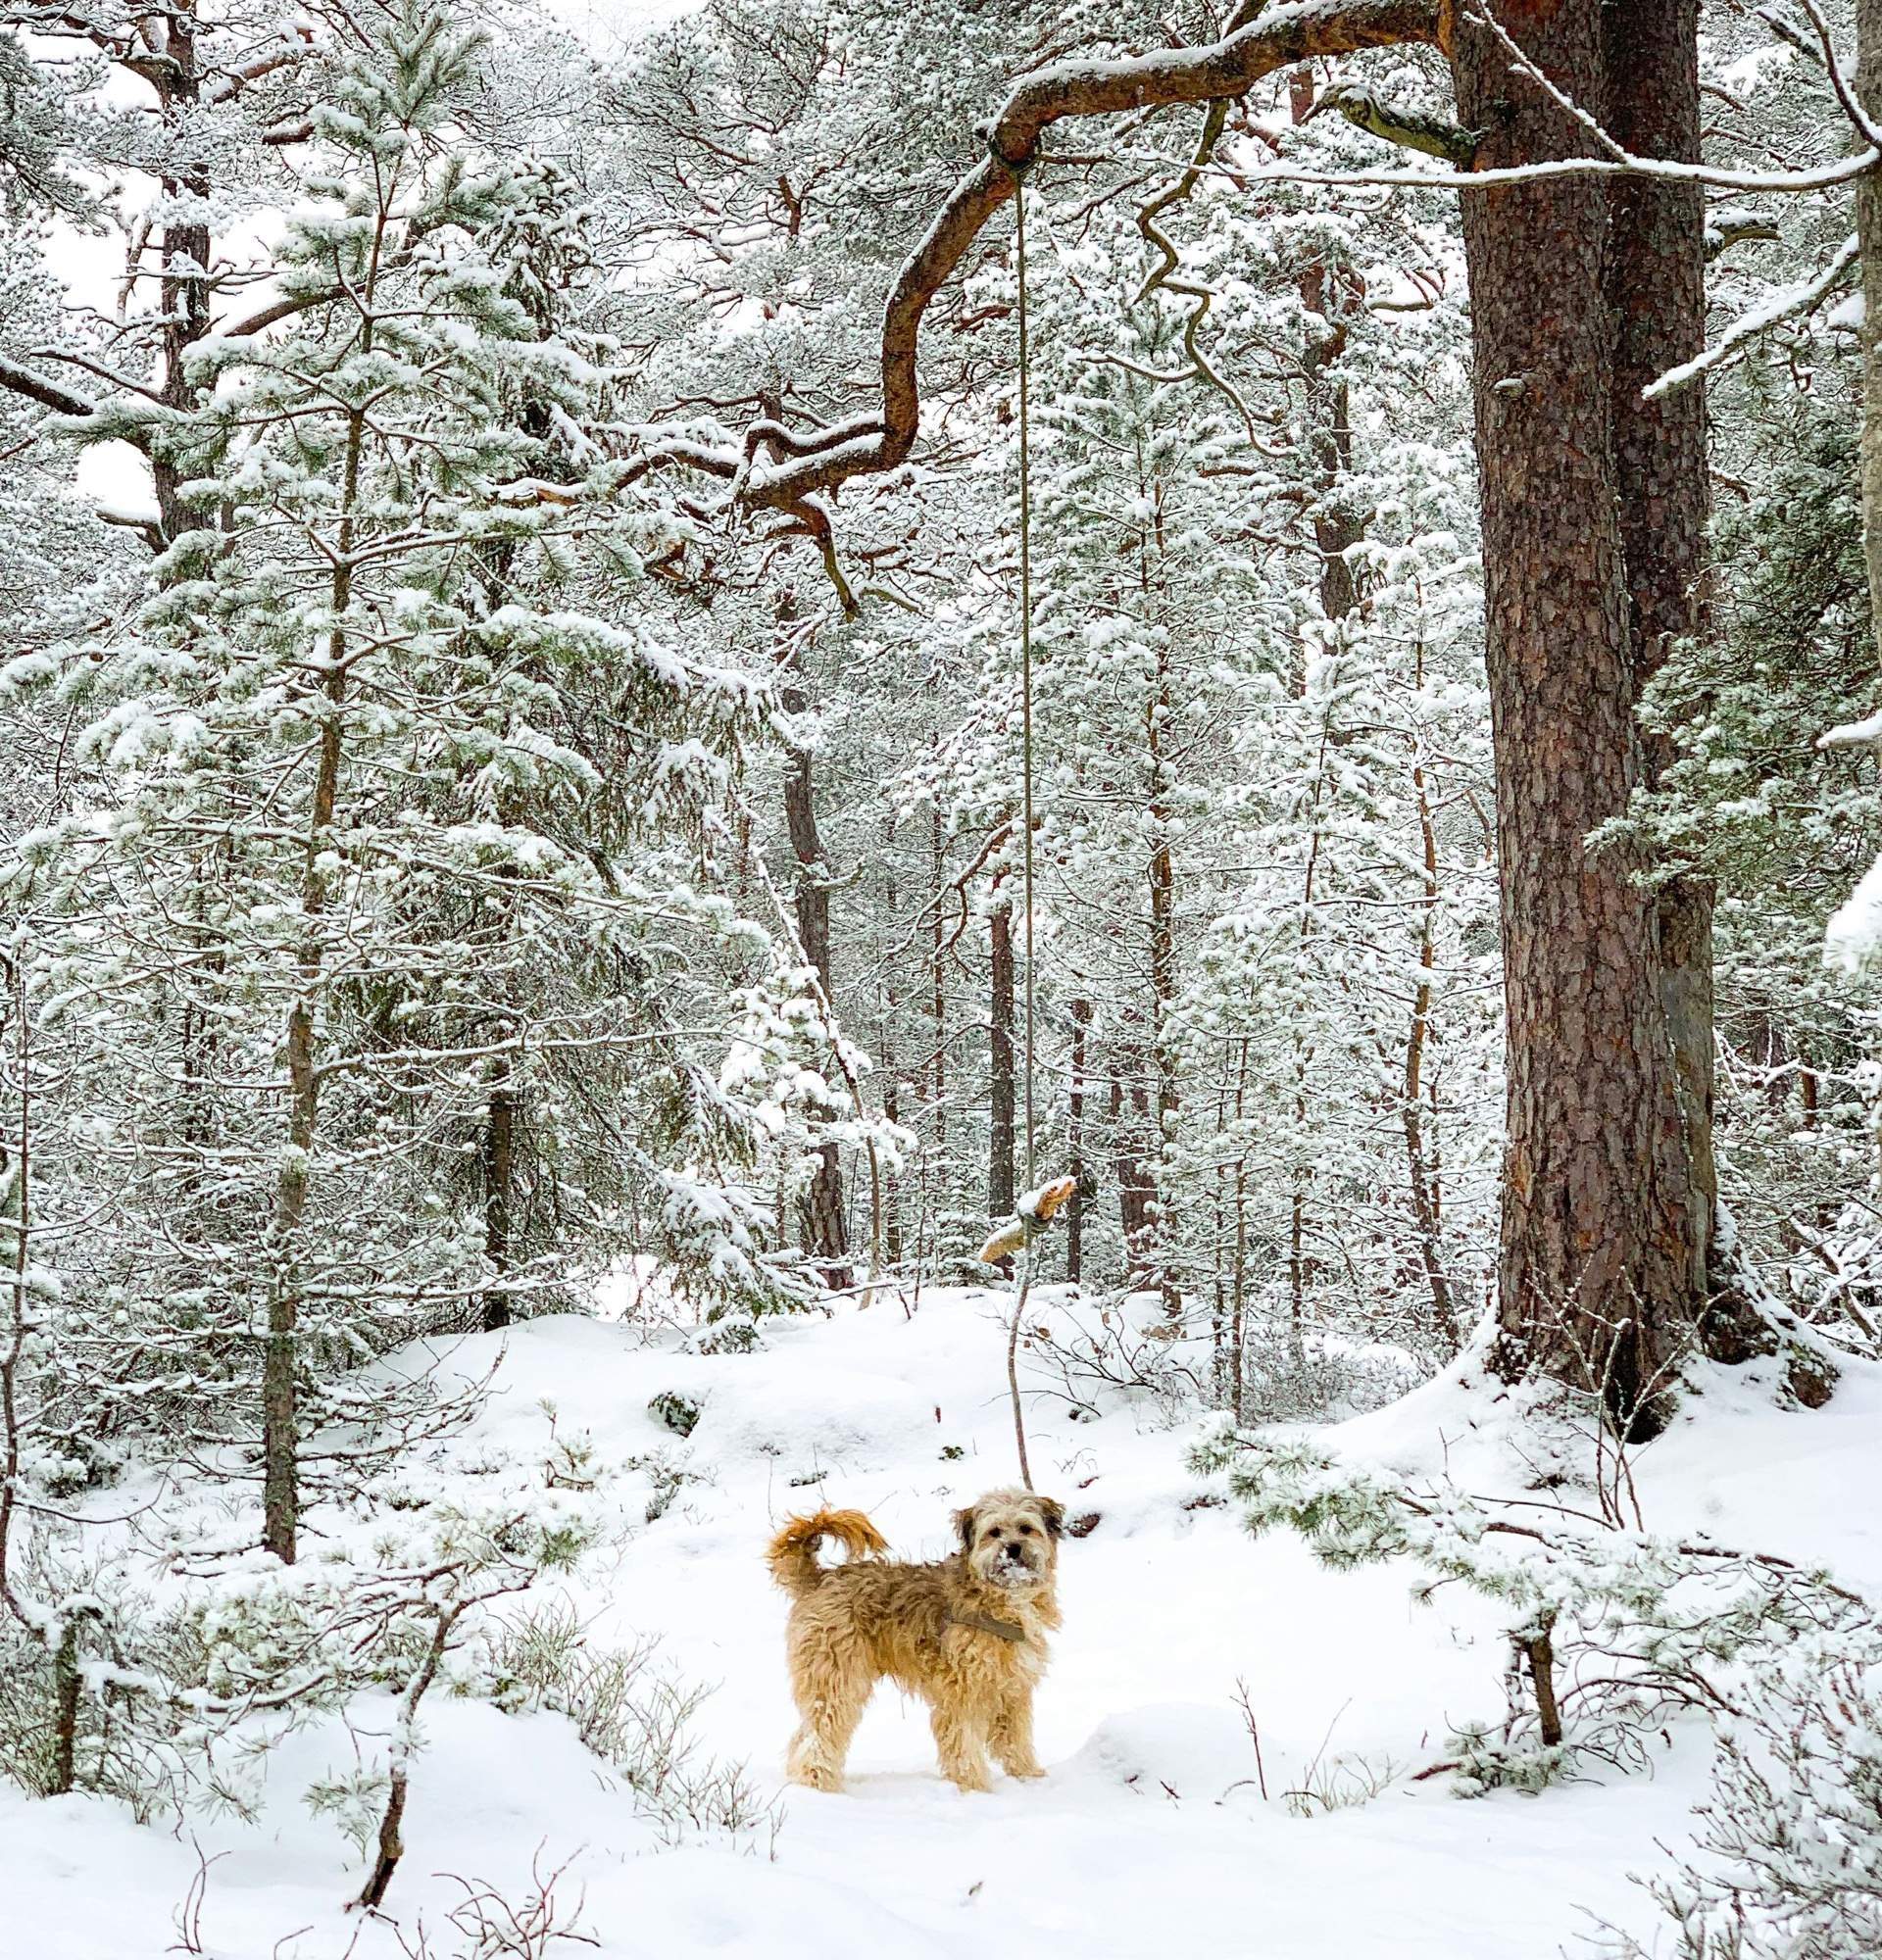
point(1150, 1834)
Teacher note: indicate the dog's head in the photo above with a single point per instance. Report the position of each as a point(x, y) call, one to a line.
point(1010, 1538)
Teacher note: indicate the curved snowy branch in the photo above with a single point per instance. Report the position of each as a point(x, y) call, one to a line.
point(1219, 70)
point(1786, 304)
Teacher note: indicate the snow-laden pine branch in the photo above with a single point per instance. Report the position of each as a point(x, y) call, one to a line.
point(1787, 303)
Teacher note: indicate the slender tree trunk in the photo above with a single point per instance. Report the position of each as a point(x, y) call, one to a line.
point(1601, 1270)
point(280, 1363)
point(937, 885)
point(1136, 1187)
point(1424, 1208)
point(892, 1179)
point(183, 290)
point(1335, 531)
point(891, 1097)
point(826, 1228)
point(1000, 1078)
point(1329, 420)
point(1075, 1144)
point(390, 1847)
point(68, 1679)
point(280, 1359)
point(1238, 1292)
point(1538, 1648)
point(499, 1178)
point(1162, 973)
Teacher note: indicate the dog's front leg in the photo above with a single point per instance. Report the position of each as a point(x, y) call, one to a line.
point(1011, 1735)
point(831, 1701)
point(961, 1744)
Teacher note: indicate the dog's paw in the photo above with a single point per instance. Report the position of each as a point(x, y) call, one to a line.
point(1027, 1770)
point(828, 1781)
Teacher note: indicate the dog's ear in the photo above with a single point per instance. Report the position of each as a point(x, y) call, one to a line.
point(963, 1525)
point(1053, 1514)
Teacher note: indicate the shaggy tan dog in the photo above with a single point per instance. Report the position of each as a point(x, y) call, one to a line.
point(967, 1636)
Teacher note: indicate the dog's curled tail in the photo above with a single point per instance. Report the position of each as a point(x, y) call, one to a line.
point(792, 1556)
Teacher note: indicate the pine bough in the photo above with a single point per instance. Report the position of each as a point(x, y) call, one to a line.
point(1613, 1632)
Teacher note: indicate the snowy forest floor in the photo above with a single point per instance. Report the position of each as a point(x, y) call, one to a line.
point(1149, 1835)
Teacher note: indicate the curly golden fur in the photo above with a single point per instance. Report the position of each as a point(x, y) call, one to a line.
point(966, 1635)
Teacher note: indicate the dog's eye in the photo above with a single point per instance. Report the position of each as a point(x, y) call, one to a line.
point(996, 1532)
point(1025, 1530)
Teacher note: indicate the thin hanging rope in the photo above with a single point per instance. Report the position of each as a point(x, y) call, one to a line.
point(1025, 747)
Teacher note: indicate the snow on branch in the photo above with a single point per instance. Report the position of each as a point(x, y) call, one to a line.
point(1788, 303)
point(48, 394)
point(777, 469)
point(1854, 936)
point(1820, 46)
point(1853, 734)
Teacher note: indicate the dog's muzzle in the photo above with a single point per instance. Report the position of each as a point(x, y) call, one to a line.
point(1012, 1566)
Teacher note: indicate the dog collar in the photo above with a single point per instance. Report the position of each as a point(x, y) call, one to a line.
point(985, 1622)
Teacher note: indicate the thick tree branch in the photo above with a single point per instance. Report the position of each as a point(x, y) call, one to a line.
point(278, 309)
point(48, 394)
point(1219, 71)
point(1408, 129)
point(1727, 229)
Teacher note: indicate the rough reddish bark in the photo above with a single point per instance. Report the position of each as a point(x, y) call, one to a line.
point(1602, 1268)
point(1656, 291)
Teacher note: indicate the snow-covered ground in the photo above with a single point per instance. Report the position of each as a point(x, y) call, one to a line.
point(1149, 1835)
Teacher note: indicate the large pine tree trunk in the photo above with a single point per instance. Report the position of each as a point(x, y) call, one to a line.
point(1657, 293)
point(1602, 1267)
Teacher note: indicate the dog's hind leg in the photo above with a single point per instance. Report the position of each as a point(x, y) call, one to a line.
point(1010, 1735)
point(831, 1691)
point(961, 1744)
